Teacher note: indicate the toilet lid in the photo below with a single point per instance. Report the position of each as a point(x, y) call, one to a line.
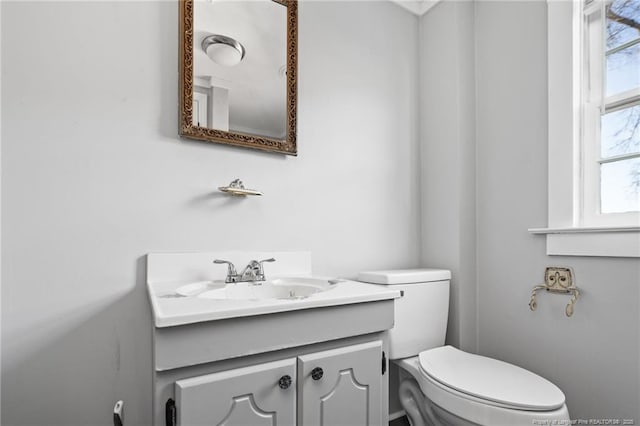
point(490, 379)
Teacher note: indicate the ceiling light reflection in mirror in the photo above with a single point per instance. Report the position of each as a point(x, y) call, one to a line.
point(240, 54)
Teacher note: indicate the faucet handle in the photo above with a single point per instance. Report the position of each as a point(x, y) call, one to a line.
point(258, 263)
point(231, 269)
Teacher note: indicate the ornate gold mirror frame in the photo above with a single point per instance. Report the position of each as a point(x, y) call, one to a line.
point(188, 129)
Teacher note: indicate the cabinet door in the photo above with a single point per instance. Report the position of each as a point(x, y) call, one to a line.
point(341, 387)
point(260, 395)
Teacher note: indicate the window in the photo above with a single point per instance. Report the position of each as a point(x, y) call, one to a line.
point(610, 130)
point(594, 128)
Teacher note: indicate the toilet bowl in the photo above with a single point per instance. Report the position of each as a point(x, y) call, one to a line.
point(442, 385)
point(451, 387)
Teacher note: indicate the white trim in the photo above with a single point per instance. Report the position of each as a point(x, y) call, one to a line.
point(590, 185)
point(620, 157)
point(601, 244)
point(200, 110)
point(564, 97)
point(584, 230)
point(417, 7)
point(426, 6)
point(623, 46)
point(572, 229)
point(622, 100)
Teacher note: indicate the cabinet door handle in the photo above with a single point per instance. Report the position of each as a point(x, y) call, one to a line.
point(284, 382)
point(317, 373)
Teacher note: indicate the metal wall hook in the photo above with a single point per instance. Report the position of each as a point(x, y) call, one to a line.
point(557, 280)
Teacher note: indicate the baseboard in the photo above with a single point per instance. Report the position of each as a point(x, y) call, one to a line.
point(396, 415)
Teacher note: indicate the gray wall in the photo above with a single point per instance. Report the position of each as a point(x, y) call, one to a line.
point(94, 176)
point(593, 356)
point(483, 218)
point(447, 133)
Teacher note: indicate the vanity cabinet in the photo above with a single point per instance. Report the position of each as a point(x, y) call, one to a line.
point(341, 386)
point(308, 361)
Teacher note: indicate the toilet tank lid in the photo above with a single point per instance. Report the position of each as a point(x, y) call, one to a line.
point(404, 276)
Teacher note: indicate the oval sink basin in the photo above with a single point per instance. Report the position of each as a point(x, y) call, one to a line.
point(279, 288)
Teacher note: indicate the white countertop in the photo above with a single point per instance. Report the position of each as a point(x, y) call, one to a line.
point(170, 309)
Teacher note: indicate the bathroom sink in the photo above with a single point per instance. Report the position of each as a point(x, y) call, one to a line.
point(179, 295)
point(279, 288)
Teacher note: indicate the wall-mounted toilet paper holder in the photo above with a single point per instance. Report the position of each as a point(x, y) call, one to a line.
point(557, 280)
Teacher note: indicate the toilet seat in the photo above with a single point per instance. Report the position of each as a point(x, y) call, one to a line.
point(472, 405)
point(492, 381)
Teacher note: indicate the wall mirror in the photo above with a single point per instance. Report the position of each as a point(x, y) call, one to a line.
point(238, 72)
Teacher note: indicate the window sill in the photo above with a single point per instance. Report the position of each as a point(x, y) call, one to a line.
point(595, 241)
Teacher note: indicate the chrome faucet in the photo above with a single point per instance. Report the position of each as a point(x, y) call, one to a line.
point(253, 272)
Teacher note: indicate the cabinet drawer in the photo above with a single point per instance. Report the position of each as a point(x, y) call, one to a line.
point(260, 395)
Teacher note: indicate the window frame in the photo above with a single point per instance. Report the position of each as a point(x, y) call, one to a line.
point(570, 231)
point(590, 35)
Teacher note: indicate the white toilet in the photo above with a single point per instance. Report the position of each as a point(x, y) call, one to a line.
point(442, 385)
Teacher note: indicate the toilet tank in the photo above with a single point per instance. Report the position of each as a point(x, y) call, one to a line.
point(421, 313)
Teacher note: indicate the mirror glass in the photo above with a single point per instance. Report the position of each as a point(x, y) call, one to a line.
point(239, 72)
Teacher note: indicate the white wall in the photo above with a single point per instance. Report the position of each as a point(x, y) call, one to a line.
point(447, 154)
point(94, 177)
point(594, 355)
point(447, 134)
